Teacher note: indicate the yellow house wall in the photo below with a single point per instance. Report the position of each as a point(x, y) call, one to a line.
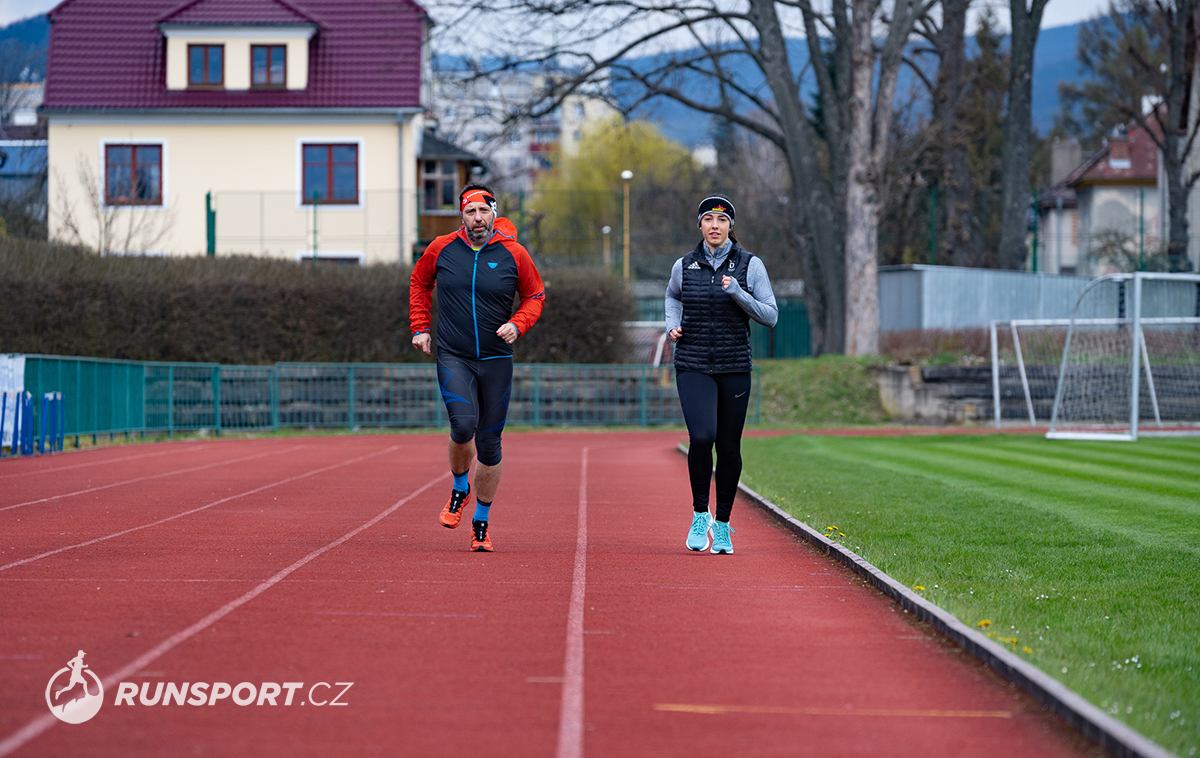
point(254, 173)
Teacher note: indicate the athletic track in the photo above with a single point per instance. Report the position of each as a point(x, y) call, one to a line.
point(591, 631)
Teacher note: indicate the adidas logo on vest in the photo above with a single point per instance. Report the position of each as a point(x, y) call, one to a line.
point(694, 265)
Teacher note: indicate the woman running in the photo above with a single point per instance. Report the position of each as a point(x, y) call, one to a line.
point(714, 292)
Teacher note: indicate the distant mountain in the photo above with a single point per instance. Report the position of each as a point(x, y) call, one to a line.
point(1054, 61)
point(34, 34)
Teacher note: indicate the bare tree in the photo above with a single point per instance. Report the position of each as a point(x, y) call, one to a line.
point(962, 243)
point(834, 158)
point(1026, 18)
point(109, 229)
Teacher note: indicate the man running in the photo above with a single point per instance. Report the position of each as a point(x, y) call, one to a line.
point(77, 666)
point(477, 271)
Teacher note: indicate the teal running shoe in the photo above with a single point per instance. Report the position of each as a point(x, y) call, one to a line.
point(721, 542)
point(697, 538)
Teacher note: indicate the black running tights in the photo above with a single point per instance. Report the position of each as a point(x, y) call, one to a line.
point(714, 407)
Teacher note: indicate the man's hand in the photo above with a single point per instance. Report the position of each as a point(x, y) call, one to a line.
point(725, 280)
point(675, 334)
point(508, 333)
point(421, 342)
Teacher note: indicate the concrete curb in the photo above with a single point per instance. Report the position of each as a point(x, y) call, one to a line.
point(1093, 723)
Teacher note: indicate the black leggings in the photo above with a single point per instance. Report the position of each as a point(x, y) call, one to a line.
point(476, 397)
point(714, 407)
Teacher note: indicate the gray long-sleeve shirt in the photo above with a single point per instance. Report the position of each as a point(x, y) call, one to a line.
point(757, 300)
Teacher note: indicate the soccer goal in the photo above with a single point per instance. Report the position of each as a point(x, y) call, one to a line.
point(1126, 363)
point(1130, 360)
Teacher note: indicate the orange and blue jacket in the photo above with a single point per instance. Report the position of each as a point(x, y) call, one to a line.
point(475, 292)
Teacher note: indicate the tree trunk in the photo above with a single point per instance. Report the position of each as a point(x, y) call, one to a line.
point(823, 263)
point(1174, 154)
point(961, 243)
point(1018, 134)
point(862, 197)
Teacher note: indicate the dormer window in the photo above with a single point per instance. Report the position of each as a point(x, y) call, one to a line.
point(269, 64)
point(237, 58)
point(206, 66)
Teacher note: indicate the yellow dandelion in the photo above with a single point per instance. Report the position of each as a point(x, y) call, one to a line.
point(918, 588)
point(984, 624)
point(841, 535)
point(1027, 649)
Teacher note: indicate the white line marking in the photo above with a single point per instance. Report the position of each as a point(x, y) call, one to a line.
point(47, 720)
point(153, 476)
point(31, 558)
point(176, 449)
point(422, 615)
point(570, 718)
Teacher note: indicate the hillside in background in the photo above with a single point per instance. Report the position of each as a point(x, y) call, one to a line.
point(31, 33)
point(1054, 61)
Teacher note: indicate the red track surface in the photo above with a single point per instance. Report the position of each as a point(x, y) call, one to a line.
point(321, 560)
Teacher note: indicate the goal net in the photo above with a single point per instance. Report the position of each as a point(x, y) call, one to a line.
point(1126, 363)
point(1130, 359)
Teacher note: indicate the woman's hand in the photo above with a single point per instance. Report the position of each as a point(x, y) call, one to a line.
point(675, 334)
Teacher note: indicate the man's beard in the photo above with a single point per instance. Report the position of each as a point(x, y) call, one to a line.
point(478, 238)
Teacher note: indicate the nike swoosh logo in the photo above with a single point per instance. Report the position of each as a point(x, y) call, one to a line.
point(742, 394)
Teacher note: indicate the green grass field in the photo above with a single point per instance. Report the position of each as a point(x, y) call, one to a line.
point(1084, 556)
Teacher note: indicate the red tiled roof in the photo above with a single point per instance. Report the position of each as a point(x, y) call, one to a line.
point(236, 12)
point(107, 54)
point(1132, 158)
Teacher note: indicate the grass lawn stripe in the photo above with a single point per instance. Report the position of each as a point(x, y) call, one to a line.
point(1105, 507)
point(1180, 468)
point(1166, 483)
point(1123, 451)
point(990, 539)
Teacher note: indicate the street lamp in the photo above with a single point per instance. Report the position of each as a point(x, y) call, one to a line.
point(607, 247)
point(626, 175)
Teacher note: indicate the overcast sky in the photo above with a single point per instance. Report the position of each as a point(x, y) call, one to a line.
point(1058, 12)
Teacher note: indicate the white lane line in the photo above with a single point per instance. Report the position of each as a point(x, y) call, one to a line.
point(176, 449)
point(47, 720)
point(153, 476)
point(114, 535)
point(570, 718)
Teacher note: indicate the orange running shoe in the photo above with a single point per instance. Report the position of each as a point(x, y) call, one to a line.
point(453, 510)
point(480, 541)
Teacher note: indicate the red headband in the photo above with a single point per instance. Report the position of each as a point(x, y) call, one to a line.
point(478, 196)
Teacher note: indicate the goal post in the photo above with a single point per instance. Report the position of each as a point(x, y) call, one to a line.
point(1125, 328)
point(1126, 363)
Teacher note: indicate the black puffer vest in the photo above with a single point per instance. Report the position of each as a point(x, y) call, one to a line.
point(716, 331)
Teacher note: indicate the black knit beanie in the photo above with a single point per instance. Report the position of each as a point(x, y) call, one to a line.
point(715, 204)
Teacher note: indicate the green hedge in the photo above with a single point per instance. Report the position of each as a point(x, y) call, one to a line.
point(240, 310)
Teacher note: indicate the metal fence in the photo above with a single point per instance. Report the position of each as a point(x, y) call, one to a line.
point(282, 224)
point(124, 397)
